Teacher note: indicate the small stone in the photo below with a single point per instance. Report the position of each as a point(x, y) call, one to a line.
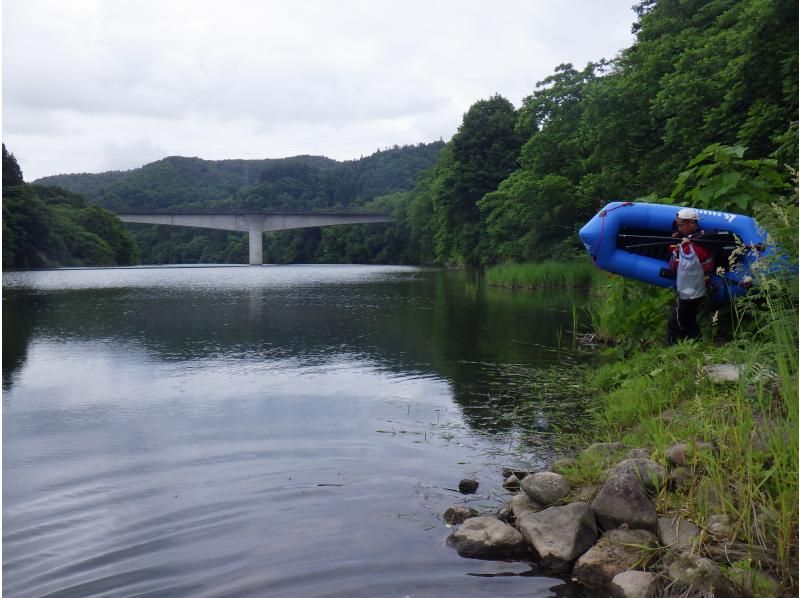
point(720, 527)
point(676, 533)
point(684, 453)
point(511, 482)
point(504, 513)
point(467, 486)
point(632, 584)
point(546, 487)
point(723, 372)
point(680, 478)
point(652, 475)
point(455, 515)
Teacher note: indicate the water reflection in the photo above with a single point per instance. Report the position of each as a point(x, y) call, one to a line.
point(262, 431)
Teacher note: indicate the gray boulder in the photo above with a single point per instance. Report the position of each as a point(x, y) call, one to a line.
point(487, 538)
point(511, 482)
point(652, 475)
point(617, 551)
point(559, 535)
point(546, 487)
point(721, 373)
point(622, 500)
point(632, 584)
point(676, 533)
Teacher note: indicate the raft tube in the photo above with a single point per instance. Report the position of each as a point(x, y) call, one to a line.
point(629, 239)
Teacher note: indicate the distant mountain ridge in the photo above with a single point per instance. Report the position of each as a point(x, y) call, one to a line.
point(295, 183)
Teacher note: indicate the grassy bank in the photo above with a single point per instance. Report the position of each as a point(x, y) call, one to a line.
point(658, 396)
point(575, 273)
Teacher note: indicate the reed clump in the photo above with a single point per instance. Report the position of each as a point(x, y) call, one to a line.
point(575, 273)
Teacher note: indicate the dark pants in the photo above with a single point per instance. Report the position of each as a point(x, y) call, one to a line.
point(682, 323)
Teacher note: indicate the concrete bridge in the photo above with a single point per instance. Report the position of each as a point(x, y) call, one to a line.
point(253, 222)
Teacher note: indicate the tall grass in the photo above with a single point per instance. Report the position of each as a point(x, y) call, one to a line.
point(576, 273)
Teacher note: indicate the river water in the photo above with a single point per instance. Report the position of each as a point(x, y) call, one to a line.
point(266, 431)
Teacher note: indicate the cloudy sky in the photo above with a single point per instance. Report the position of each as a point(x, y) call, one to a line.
point(96, 85)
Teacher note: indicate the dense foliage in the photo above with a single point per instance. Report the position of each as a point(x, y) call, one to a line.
point(297, 183)
point(48, 226)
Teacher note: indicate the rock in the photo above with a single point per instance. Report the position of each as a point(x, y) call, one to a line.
point(723, 372)
point(680, 478)
point(522, 503)
point(638, 453)
point(632, 584)
point(455, 515)
point(467, 486)
point(559, 535)
point(676, 533)
point(684, 453)
point(652, 475)
point(622, 500)
point(546, 487)
point(617, 551)
point(720, 527)
point(487, 538)
point(700, 575)
point(511, 482)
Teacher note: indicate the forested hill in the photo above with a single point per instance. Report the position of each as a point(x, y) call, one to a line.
point(296, 183)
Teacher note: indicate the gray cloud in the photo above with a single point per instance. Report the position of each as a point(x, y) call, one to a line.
point(91, 83)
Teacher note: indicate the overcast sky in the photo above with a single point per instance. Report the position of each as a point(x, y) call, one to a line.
point(90, 86)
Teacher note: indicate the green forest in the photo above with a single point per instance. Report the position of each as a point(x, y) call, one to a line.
point(711, 81)
point(47, 226)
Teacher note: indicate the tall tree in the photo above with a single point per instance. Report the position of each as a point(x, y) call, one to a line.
point(481, 154)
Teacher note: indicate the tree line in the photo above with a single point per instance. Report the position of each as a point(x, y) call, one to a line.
point(515, 184)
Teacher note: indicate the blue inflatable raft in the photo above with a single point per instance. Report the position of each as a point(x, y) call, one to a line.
point(633, 240)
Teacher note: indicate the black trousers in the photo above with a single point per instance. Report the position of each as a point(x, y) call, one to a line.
point(682, 323)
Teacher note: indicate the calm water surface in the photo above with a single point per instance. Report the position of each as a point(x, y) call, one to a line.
point(264, 431)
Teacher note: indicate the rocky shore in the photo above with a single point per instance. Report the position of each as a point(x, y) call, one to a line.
point(625, 537)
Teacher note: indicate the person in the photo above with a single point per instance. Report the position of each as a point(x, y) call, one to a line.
point(692, 263)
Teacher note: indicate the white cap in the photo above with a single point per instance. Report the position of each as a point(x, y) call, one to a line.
point(688, 214)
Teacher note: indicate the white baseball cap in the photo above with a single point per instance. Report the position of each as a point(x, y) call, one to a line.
point(688, 214)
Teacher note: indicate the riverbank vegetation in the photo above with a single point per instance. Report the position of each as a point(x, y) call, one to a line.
point(734, 404)
point(574, 273)
point(49, 226)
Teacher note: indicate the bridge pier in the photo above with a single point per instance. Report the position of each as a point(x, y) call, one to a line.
point(256, 237)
